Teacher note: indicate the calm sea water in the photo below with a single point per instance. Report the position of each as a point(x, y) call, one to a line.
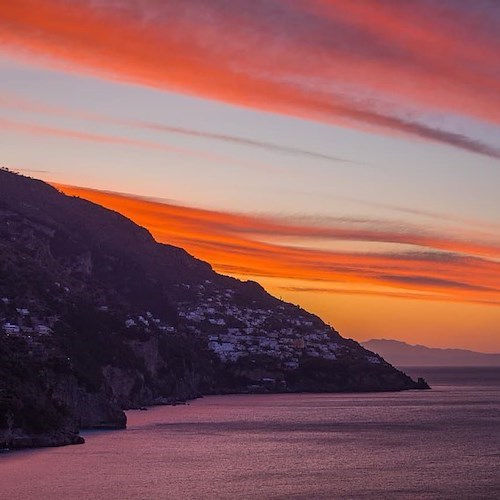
point(443, 443)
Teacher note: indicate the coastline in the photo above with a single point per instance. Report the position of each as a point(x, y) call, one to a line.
point(66, 437)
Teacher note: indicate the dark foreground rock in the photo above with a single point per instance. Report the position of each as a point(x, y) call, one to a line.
point(61, 438)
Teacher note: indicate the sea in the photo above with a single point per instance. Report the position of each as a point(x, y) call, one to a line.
point(438, 444)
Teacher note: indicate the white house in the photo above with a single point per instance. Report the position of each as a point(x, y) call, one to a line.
point(217, 321)
point(42, 330)
point(143, 320)
point(169, 329)
point(10, 329)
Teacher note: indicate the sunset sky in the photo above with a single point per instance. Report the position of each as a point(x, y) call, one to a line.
point(345, 154)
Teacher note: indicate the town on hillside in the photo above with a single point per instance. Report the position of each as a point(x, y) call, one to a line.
point(232, 331)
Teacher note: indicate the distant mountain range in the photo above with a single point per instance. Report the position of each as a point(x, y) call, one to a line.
point(96, 317)
point(402, 354)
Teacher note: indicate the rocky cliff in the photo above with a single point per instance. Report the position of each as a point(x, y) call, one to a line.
point(97, 317)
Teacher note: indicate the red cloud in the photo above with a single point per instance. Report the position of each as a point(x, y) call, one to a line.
point(336, 61)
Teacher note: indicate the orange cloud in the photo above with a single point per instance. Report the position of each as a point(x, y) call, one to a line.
point(336, 61)
point(446, 269)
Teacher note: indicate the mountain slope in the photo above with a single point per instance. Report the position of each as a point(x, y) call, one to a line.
point(95, 316)
point(402, 354)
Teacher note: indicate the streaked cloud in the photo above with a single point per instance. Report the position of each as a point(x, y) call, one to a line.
point(378, 293)
point(422, 212)
point(235, 140)
point(29, 128)
point(45, 130)
point(385, 68)
point(445, 268)
point(14, 102)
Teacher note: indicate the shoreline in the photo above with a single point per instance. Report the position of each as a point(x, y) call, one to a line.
point(71, 437)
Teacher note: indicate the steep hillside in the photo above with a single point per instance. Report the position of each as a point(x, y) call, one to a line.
point(95, 317)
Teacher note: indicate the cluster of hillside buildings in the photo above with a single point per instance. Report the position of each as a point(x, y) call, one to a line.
point(235, 331)
point(148, 322)
point(25, 324)
point(21, 323)
point(234, 328)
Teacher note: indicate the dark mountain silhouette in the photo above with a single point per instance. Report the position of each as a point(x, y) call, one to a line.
point(402, 354)
point(97, 317)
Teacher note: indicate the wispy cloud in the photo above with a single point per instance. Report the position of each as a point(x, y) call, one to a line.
point(29, 128)
point(445, 268)
point(235, 140)
point(381, 293)
point(45, 130)
point(19, 103)
point(342, 62)
point(420, 212)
